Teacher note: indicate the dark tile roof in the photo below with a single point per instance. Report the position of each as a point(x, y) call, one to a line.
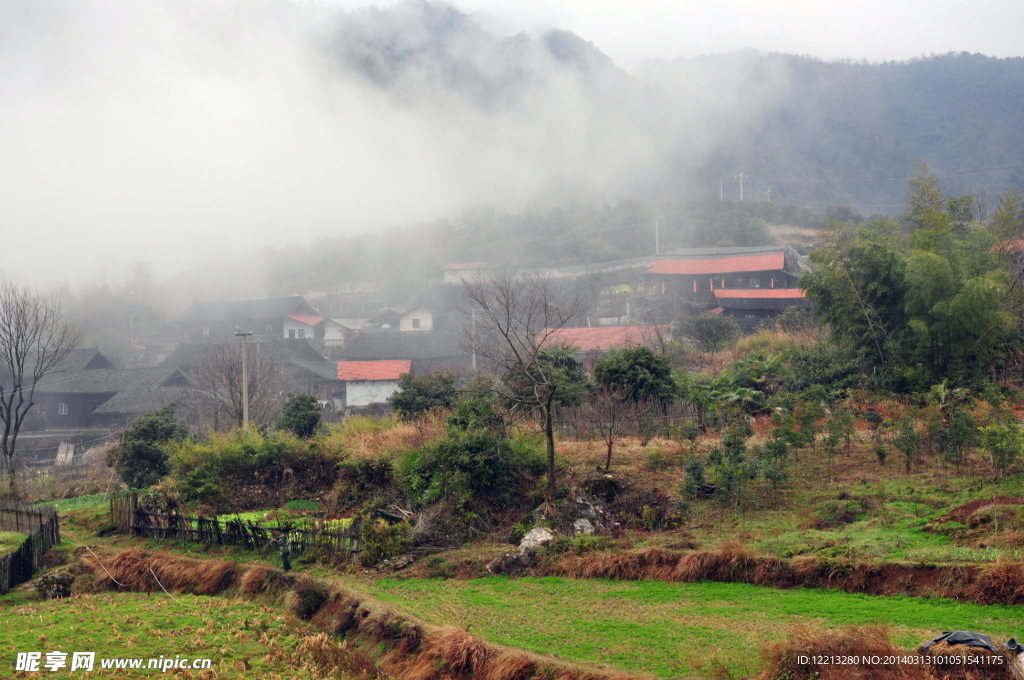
point(189, 355)
point(222, 311)
point(110, 380)
point(374, 345)
point(138, 401)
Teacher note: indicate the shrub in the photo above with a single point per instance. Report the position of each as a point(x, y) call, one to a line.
point(580, 545)
point(417, 396)
point(221, 468)
point(694, 482)
point(301, 415)
point(473, 464)
point(141, 456)
point(1004, 443)
point(380, 540)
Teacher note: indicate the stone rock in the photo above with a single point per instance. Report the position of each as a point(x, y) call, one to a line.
point(511, 562)
point(602, 486)
point(585, 509)
point(536, 537)
point(583, 527)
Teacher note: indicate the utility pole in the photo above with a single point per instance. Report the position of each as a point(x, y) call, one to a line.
point(741, 186)
point(721, 190)
point(245, 381)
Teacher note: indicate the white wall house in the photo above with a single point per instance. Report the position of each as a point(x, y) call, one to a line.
point(418, 319)
point(371, 382)
point(298, 326)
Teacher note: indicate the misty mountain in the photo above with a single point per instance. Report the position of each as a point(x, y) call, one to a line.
point(801, 130)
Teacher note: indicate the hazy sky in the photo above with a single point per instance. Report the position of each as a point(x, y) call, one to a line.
point(166, 131)
point(636, 30)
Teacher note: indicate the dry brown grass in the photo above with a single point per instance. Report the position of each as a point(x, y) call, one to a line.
point(782, 659)
point(999, 584)
point(139, 570)
point(734, 563)
point(363, 437)
point(961, 662)
point(511, 666)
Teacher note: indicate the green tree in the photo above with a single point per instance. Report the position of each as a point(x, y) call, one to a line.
point(1004, 443)
point(418, 395)
point(711, 332)
point(638, 373)
point(694, 480)
point(907, 439)
point(301, 415)
point(141, 455)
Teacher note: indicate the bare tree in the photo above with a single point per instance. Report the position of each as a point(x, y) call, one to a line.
point(515, 319)
point(218, 379)
point(613, 414)
point(34, 338)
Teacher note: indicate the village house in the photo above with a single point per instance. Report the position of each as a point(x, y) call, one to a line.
point(104, 397)
point(416, 319)
point(300, 326)
point(370, 383)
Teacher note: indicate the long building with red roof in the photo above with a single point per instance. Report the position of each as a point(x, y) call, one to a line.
point(748, 283)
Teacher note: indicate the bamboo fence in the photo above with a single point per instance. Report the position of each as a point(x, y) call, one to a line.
point(41, 525)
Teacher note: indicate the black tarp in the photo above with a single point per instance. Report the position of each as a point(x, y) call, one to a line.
point(972, 639)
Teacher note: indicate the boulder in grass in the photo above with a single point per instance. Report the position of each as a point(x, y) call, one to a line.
point(537, 537)
point(55, 585)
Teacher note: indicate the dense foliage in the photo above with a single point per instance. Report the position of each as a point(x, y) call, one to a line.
point(141, 455)
point(637, 373)
point(301, 415)
point(418, 395)
point(922, 299)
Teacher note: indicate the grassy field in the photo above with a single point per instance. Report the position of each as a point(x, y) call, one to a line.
point(10, 541)
point(244, 639)
point(671, 630)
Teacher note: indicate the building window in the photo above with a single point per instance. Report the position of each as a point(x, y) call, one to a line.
point(206, 331)
point(62, 408)
point(415, 323)
point(755, 282)
point(302, 332)
point(291, 334)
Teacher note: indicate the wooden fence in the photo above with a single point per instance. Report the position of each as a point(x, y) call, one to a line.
point(40, 523)
point(130, 518)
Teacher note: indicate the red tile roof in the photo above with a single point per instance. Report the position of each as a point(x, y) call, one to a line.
point(373, 370)
point(601, 338)
point(760, 293)
point(720, 265)
point(308, 319)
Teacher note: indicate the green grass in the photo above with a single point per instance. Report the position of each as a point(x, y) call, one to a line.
point(891, 528)
point(11, 541)
point(285, 519)
point(231, 632)
point(80, 502)
point(674, 630)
